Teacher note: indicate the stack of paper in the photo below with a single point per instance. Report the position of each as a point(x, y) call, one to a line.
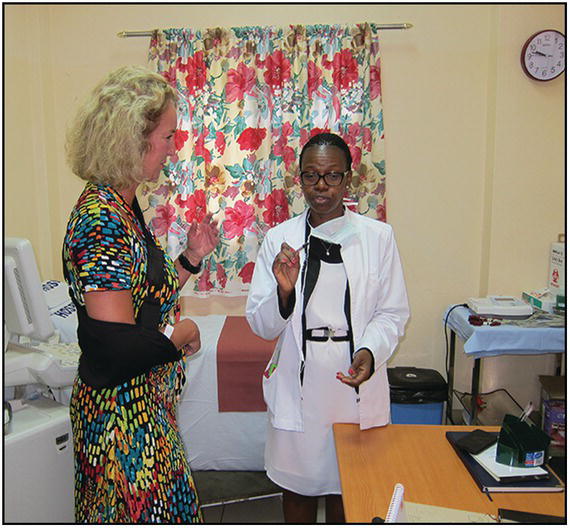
point(504, 472)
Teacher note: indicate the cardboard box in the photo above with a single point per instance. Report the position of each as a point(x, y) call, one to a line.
point(554, 422)
point(553, 407)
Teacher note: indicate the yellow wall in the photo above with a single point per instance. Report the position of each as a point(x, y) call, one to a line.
point(474, 149)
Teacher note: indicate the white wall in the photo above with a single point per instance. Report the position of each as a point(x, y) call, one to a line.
point(474, 149)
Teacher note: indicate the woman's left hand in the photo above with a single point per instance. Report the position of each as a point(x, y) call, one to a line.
point(359, 371)
point(202, 238)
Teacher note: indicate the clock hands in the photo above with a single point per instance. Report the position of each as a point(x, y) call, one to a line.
point(541, 54)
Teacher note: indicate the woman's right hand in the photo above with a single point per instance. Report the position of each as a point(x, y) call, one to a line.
point(186, 332)
point(286, 267)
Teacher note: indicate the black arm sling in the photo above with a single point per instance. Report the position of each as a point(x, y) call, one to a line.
point(114, 353)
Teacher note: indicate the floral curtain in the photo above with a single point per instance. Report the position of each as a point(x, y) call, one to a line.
point(249, 98)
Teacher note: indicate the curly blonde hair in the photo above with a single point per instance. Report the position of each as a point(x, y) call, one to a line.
point(109, 136)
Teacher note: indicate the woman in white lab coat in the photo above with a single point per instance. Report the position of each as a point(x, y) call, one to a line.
point(329, 284)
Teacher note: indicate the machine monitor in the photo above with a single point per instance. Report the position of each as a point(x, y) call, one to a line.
point(25, 309)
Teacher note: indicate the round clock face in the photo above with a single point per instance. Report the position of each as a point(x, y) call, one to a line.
point(543, 55)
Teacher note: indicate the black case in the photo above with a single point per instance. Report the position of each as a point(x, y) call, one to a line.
point(477, 441)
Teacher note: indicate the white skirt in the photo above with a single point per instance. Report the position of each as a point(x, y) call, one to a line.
point(306, 463)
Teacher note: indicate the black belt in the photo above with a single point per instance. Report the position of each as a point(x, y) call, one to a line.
point(325, 333)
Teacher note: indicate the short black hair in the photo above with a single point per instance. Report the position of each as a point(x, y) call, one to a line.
point(327, 138)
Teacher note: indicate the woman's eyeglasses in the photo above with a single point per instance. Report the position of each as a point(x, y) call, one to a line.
point(331, 178)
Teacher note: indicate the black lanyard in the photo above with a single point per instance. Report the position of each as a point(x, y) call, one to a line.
point(309, 276)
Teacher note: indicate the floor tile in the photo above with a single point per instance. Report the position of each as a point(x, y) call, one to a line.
point(267, 510)
point(253, 511)
point(212, 514)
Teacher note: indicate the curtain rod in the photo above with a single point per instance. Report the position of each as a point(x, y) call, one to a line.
point(125, 34)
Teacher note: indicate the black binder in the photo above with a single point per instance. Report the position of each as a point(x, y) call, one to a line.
point(488, 484)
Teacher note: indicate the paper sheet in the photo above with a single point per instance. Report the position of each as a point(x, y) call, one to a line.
point(424, 513)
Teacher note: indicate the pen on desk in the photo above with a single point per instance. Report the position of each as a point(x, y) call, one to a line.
point(488, 495)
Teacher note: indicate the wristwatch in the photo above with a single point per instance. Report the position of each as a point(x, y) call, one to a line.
point(185, 263)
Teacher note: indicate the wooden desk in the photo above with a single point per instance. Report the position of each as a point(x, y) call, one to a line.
point(371, 462)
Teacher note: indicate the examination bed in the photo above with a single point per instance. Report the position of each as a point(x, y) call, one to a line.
point(221, 415)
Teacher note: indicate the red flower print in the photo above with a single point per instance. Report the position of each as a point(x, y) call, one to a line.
point(170, 75)
point(354, 132)
point(247, 272)
point(238, 219)
point(220, 142)
point(251, 138)
point(181, 202)
point(180, 137)
point(381, 212)
point(278, 70)
point(196, 68)
point(305, 134)
point(367, 139)
point(165, 215)
point(375, 87)
point(314, 77)
point(276, 208)
point(316, 131)
point(356, 153)
point(221, 276)
point(336, 106)
point(200, 149)
point(196, 204)
point(345, 69)
point(204, 282)
point(181, 66)
point(280, 147)
point(240, 82)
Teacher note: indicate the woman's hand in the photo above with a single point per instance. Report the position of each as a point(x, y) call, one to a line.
point(202, 238)
point(286, 268)
point(186, 332)
point(360, 370)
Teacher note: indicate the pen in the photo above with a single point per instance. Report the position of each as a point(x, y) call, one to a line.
point(302, 247)
point(488, 495)
point(525, 414)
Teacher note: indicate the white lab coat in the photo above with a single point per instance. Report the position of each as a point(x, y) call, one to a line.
point(378, 306)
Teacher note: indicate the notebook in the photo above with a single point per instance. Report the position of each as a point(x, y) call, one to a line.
point(401, 511)
point(396, 512)
point(488, 484)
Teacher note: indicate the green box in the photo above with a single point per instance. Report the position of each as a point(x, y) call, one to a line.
point(521, 444)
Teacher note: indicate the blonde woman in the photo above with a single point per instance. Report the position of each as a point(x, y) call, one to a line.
point(130, 465)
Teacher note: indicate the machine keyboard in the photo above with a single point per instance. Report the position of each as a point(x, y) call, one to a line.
point(66, 353)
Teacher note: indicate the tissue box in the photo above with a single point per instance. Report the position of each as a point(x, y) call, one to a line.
point(553, 407)
point(521, 444)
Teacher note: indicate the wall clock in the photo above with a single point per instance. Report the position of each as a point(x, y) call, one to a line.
point(543, 55)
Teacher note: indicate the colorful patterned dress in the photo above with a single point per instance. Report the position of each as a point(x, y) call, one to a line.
point(130, 464)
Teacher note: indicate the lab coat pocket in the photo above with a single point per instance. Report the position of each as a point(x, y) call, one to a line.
point(273, 362)
point(269, 378)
